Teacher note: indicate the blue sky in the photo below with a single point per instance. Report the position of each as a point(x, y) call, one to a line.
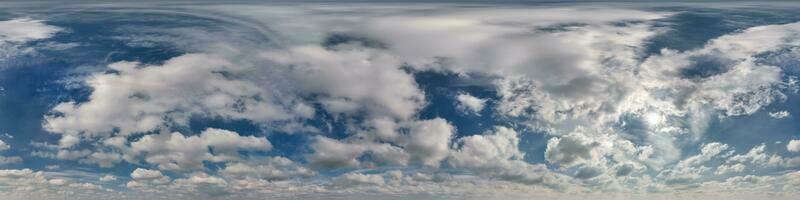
point(399, 100)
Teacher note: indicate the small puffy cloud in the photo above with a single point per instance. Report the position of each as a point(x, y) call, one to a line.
point(107, 178)
point(793, 146)
point(470, 104)
point(146, 174)
point(780, 114)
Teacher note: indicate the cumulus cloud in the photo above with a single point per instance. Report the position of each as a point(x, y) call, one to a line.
point(429, 140)
point(470, 104)
point(175, 151)
point(145, 179)
point(793, 146)
point(158, 96)
point(497, 154)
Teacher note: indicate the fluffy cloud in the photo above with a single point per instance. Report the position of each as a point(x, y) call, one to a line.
point(793, 146)
point(174, 151)
point(496, 154)
point(15, 33)
point(426, 142)
point(145, 179)
point(157, 96)
point(429, 141)
point(353, 80)
point(470, 104)
point(25, 29)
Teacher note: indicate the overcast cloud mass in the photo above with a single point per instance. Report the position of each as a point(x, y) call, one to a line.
point(399, 101)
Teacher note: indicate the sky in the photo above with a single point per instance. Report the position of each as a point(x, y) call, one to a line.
point(400, 100)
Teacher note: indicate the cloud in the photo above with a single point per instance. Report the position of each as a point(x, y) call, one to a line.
point(793, 146)
point(357, 179)
point(8, 159)
point(159, 96)
point(107, 178)
point(25, 29)
point(780, 114)
point(428, 141)
point(268, 168)
point(174, 151)
point(14, 33)
point(568, 150)
point(147, 180)
point(350, 80)
point(615, 119)
point(4, 146)
point(470, 104)
point(18, 183)
point(496, 154)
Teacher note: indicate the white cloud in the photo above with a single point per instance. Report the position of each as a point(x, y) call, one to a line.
point(15, 32)
point(147, 180)
point(40, 185)
point(25, 29)
point(496, 154)
point(583, 94)
point(693, 167)
point(157, 96)
point(793, 146)
point(107, 178)
point(780, 114)
point(269, 168)
point(428, 141)
point(174, 151)
point(358, 179)
point(470, 104)
point(351, 80)
point(330, 153)
point(425, 143)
